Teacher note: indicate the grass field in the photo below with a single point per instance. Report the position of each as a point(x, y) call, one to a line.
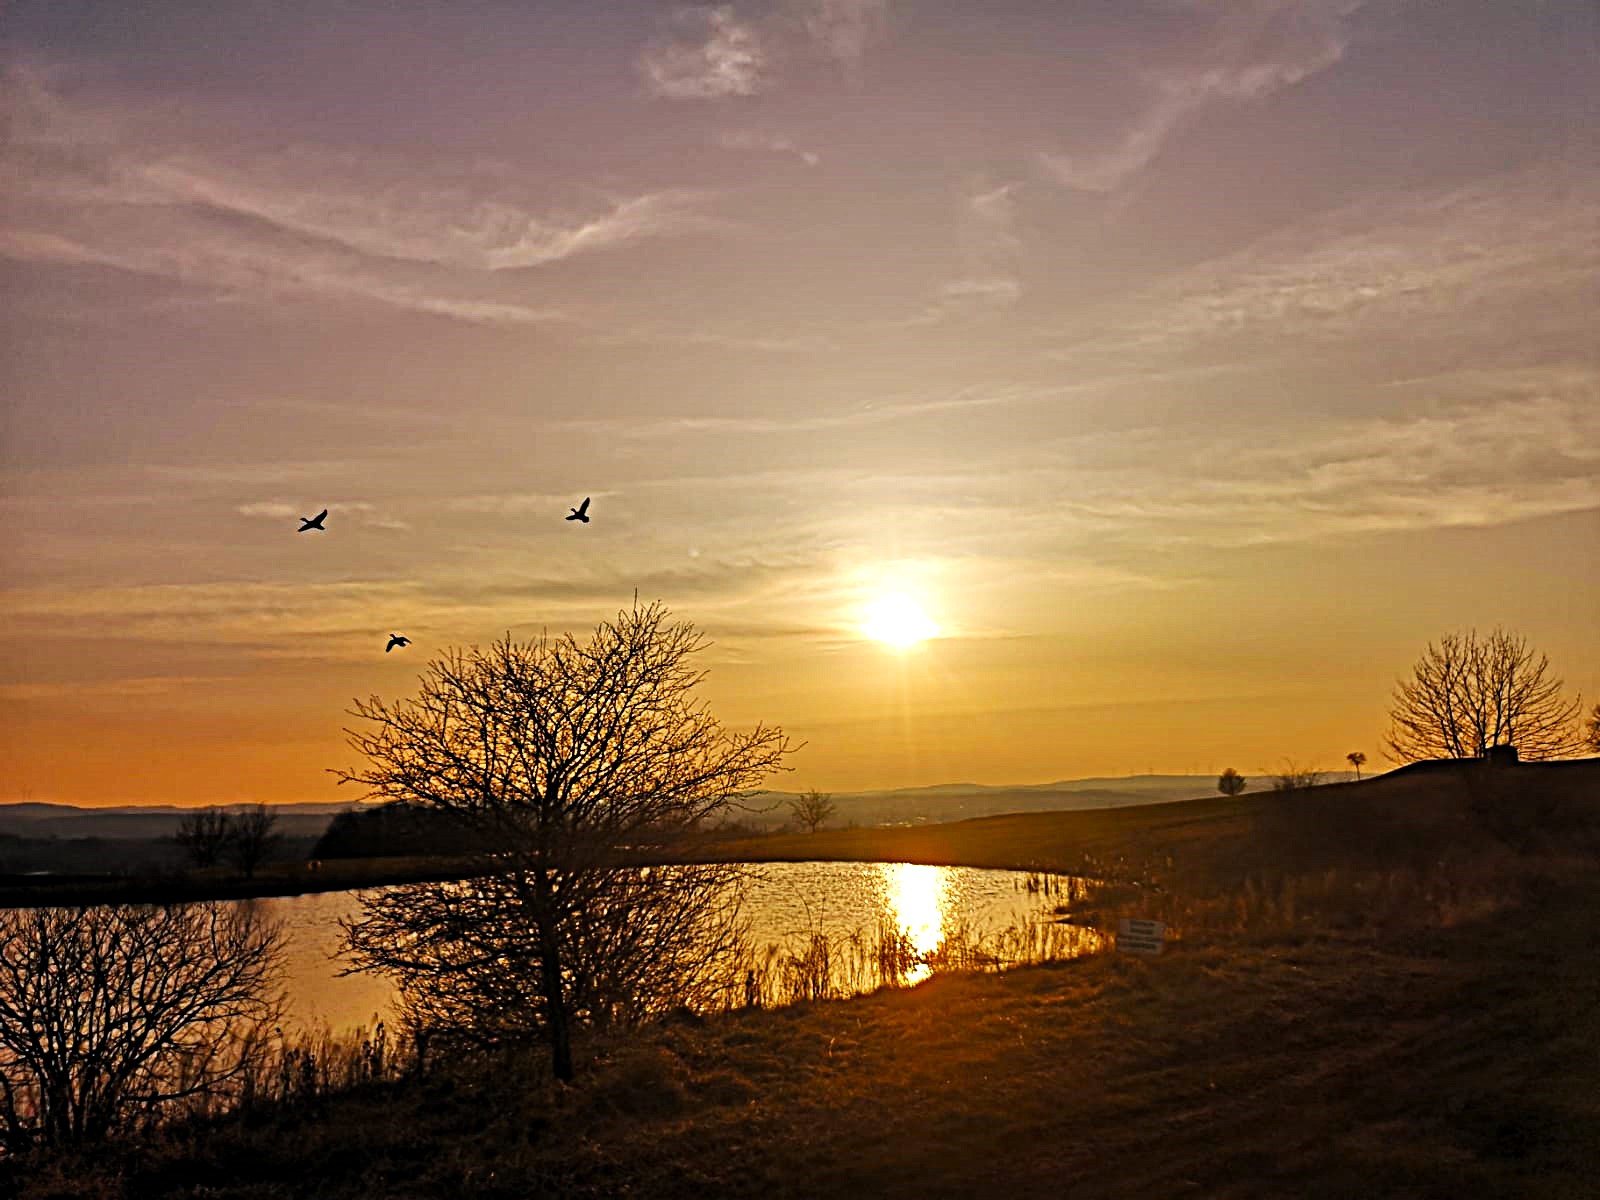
point(1382, 989)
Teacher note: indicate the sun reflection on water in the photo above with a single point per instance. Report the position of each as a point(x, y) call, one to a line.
point(916, 901)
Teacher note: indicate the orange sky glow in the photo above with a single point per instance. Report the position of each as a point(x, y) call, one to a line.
point(1009, 392)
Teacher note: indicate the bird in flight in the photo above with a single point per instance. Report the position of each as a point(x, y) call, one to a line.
point(581, 513)
point(309, 523)
point(396, 640)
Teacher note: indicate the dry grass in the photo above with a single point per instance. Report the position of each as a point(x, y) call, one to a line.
point(1382, 992)
point(1457, 1063)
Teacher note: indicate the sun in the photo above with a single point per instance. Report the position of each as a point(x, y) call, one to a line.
point(898, 620)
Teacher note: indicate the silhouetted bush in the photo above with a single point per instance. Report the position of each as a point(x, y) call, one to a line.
point(109, 1014)
point(397, 830)
point(1294, 777)
point(251, 837)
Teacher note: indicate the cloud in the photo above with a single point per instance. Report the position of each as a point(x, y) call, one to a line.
point(106, 183)
point(271, 509)
point(876, 413)
point(843, 29)
point(989, 247)
point(134, 687)
point(1225, 50)
point(712, 55)
point(1497, 259)
point(479, 223)
point(1521, 447)
point(358, 512)
point(215, 613)
point(766, 143)
point(993, 213)
point(969, 297)
point(505, 504)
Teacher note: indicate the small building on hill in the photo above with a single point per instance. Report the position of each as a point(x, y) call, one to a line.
point(1500, 756)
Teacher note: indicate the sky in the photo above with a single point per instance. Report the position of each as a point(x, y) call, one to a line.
point(1190, 364)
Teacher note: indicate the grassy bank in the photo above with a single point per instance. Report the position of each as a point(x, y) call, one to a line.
point(1452, 1063)
point(1371, 990)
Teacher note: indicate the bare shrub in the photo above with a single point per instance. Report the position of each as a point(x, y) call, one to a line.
point(114, 1013)
point(1293, 777)
point(813, 809)
point(203, 836)
point(252, 837)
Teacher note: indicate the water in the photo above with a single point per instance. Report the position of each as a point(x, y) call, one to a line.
point(787, 903)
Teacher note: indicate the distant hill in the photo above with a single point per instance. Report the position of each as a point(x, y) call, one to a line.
point(143, 822)
point(959, 801)
point(768, 810)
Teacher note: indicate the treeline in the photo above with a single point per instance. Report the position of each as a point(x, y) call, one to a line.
point(395, 830)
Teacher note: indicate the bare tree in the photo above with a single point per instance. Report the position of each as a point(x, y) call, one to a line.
point(204, 836)
point(251, 838)
point(1592, 729)
point(1230, 782)
point(1293, 777)
point(813, 809)
point(112, 1012)
point(579, 762)
point(1355, 758)
point(1467, 694)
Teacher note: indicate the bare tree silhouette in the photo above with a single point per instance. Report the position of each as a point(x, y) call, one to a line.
point(813, 809)
point(204, 836)
point(109, 1013)
point(251, 838)
point(1466, 694)
point(578, 762)
point(1355, 758)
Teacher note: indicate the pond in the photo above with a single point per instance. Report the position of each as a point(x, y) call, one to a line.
point(1005, 914)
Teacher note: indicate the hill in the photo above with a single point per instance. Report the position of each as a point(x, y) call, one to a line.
point(147, 821)
point(945, 802)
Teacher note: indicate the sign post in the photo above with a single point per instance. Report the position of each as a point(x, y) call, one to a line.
point(1140, 937)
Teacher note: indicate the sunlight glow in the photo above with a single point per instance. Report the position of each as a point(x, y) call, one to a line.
point(915, 895)
point(897, 619)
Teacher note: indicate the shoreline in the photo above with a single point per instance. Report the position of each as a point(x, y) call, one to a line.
point(1213, 835)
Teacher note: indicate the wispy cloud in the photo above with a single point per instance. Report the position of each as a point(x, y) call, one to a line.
point(1471, 262)
point(1522, 448)
point(988, 247)
point(1246, 51)
point(992, 227)
point(506, 504)
point(709, 55)
point(104, 183)
point(358, 512)
point(233, 612)
point(129, 688)
point(766, 143)
point(874, 413)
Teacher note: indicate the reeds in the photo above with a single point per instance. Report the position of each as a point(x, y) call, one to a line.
point(831, 966)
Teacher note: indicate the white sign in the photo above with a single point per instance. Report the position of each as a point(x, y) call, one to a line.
point(1140, 937)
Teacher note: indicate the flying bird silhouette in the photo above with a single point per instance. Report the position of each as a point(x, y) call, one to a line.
point(581, 513)
point(309, 523)
point(396, 640)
